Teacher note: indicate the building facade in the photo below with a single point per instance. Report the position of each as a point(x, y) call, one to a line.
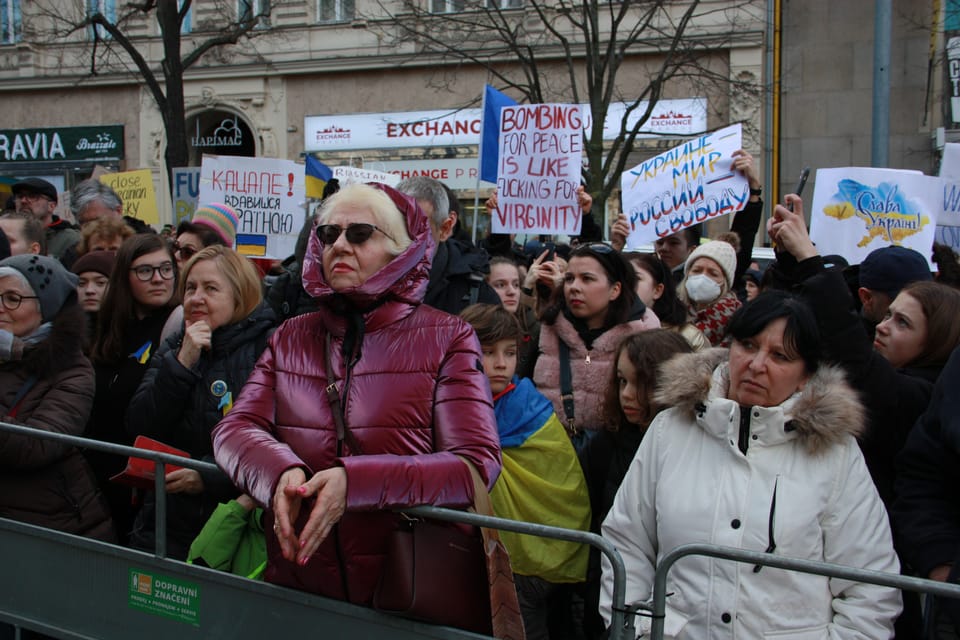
point(309, 59)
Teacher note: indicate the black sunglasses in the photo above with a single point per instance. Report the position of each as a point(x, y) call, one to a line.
point(357, 232)
point(594, 247)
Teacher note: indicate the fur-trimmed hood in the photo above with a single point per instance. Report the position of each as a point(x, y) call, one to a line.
point(824, 413)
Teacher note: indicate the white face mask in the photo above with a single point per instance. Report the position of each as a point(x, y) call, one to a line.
point(701, 288)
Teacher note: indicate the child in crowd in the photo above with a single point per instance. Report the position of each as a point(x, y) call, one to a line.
point(541, 481)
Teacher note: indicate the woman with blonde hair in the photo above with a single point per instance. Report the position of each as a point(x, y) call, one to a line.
point(192, 382)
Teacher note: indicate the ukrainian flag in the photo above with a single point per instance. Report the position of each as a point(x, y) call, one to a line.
point(251, 244)
point(142, 355)
point(541, 482)
point(318, 175)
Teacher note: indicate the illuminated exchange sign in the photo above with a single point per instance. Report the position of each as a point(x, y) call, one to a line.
point(59, 144)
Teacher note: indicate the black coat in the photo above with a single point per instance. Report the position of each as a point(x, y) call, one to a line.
point(178, 406)
point(894, 398)
point(457, 278)
point(926, 512)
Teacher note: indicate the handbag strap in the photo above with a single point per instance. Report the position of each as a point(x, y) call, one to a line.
point(21, 394)
point(566, 387)
point(336, 406)
point(481, 502)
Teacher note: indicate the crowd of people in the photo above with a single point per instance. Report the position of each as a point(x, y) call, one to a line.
point(805, 409)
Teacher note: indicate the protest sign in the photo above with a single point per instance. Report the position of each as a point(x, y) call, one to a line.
point(685, 186)
point(186, 192)
point(948, 223)
point(856, 210)
point(349, 175)
point(135, 189)
point(267, 194)
point(541, 146)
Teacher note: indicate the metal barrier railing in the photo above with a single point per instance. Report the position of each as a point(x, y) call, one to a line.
point(658, 606)
point(622, 626)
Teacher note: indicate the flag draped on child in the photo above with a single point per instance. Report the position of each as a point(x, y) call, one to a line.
point(541, 482)
point(317, 177)
point(493, 102)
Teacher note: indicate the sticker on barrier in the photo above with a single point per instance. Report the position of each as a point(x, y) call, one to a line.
point(164, 596)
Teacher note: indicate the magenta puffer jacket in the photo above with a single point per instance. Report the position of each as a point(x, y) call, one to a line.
point(417, 399)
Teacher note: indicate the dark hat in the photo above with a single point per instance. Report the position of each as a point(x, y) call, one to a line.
point(889, 269)
point(97, 261)
point(36, 185)
point(753, 274)
point(51, 282)
point(835, 262)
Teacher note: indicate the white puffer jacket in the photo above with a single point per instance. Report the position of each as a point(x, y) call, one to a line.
point(690, 482)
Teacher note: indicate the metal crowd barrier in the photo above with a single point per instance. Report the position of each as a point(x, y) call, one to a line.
point(658, 606)
point(622, 627)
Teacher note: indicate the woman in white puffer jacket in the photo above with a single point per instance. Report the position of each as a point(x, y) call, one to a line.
point(757, 451)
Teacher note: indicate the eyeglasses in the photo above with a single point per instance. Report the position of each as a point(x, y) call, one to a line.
point(186, 252)
point(357, 233)
point(145, 272)
point(11, 300)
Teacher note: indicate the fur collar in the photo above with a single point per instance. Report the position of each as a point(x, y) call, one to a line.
point(824, 413)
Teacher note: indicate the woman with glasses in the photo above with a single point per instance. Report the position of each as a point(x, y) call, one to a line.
point(757, 450)
point(594, 309)
point(192, 383)
point(372, 403)
point(46, 383)
point(139, 299)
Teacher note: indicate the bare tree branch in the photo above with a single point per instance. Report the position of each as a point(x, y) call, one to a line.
point(574, 51)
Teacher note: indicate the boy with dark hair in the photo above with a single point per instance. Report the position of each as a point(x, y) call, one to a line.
point(541, 481)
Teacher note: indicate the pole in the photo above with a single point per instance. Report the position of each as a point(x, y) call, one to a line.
point(880, 136)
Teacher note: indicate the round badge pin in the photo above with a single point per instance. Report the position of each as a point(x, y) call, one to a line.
point(218, 388)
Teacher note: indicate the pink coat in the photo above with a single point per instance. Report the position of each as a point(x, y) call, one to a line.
point(417, 400)
point(592, 377)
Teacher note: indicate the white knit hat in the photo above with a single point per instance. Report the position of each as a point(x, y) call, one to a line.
point(720, 252)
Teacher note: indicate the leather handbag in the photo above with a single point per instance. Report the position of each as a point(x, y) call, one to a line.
point(445, 573)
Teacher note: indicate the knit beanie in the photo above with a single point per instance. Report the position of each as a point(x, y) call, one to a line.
point(51, 282)
point(96, 261)
point(720, 252)
point(220, 218)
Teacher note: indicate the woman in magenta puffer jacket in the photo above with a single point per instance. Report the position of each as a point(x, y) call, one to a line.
point(416, 402)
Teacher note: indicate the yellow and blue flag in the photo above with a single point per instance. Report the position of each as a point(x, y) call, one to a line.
point(493, 103)
point(251, 244)
point(142, 355)
point(317, 177)
point(541, 482)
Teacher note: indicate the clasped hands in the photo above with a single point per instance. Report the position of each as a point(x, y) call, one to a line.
point(329, 490)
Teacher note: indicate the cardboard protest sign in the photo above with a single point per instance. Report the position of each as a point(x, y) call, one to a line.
point(267, 194)
point(186, 192)
point(541, 147)
point(685, 186)
point(349, 175)
point(135, 189)
point(856, 210)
